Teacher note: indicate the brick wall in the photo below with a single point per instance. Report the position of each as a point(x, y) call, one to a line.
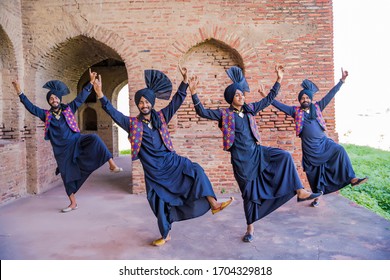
point(42, 40)
point(13, 181)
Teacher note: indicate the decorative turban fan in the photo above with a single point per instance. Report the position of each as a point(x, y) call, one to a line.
point(158, 86)
point(159, 83)
point(309, 88)
point(236, 75)
point(57, 88)
point(239, 82)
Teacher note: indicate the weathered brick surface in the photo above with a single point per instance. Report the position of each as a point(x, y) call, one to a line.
point(12, 169)
point(42, 40)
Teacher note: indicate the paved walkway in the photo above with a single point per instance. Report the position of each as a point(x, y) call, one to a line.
point(112, 224)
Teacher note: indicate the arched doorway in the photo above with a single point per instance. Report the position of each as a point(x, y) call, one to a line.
point(89, 120)
point(69, 62)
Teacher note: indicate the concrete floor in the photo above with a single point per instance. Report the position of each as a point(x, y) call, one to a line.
point(112, 224)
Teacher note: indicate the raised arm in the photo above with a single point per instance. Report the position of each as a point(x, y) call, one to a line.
point(34, 110)
point(119, 118)
point(289, 110)
point(200, 110)
point(83, 95)
point(329, 96)
point(266, 101)
point(177, 100)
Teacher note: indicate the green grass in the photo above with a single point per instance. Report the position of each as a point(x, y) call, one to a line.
point(124, 152)
point(375, 194)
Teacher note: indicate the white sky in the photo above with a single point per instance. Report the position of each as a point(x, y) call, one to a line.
point(361, 46)
point(123, 106)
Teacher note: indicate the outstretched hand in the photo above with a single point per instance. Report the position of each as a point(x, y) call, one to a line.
point(183, 72)
point(92, 76)
point(194, 82)
point(261, 90)
point(344, 74)
point(279, 69)
point(16, 87)
point(97, 86)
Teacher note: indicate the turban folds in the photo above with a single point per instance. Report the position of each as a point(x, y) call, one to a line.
point(147, 93)
point(236, 75)
point(56, 88)
point(239, 83)
point(309, 88)
point(159, 86)
point(230, 91)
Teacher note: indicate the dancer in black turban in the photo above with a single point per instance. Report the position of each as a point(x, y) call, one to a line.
point(77, 155)
point(267, 176)
point(326, 163)
point(177, 188)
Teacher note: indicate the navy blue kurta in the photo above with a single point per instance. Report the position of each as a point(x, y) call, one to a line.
point(326, 163)
point(267, 176)
point(77, 155)
point(176, 187)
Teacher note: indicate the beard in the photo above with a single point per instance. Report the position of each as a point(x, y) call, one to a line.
point(305, 105)
point(146, 112)
point(55, 108)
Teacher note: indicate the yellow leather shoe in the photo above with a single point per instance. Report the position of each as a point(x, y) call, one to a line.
point(223, 206)
point(161, 241)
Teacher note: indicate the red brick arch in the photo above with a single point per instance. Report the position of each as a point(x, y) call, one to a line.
point(58, 61)
point(225, 36)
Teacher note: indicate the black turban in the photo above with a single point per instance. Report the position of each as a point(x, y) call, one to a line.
point(230, 92)
point(56, 88)
point(239, 83)
point(309, 88)
point(158, 86)
point(147, 93)
point(236, 75)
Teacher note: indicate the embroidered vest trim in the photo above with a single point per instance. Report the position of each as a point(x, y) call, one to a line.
point(299, 119)
point(136, 132)
point(228, 127)
point(69, 117)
